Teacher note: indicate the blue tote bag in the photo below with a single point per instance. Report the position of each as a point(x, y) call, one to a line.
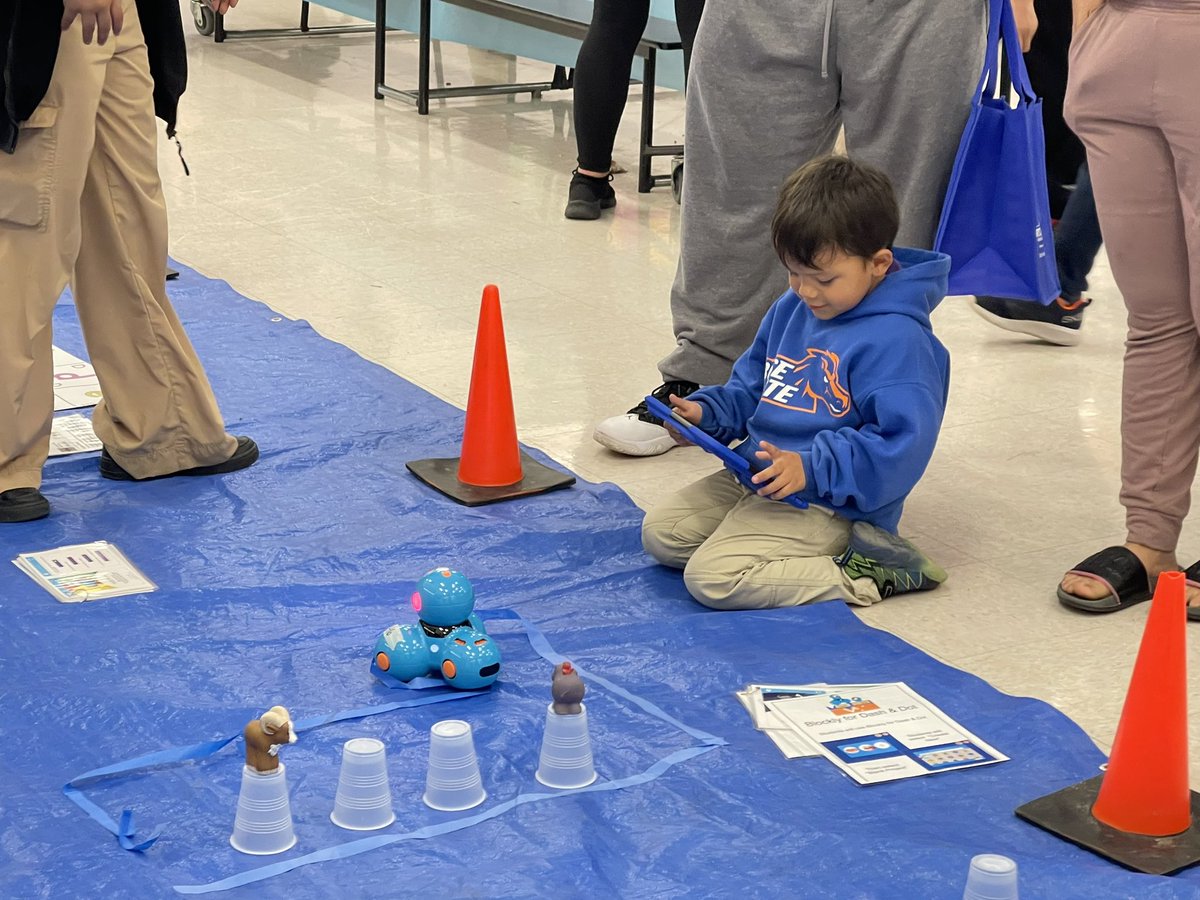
point(995, 224)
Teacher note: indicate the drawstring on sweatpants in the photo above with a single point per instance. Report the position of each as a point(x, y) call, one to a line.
point(171, 134)
point(825, 41)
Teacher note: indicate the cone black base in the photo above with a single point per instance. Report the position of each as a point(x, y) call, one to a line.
point(442, 475)
point(1068, 814)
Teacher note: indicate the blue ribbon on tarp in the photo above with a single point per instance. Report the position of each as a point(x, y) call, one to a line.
point(126, 835)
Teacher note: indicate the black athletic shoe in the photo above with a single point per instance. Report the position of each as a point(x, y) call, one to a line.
point(1057, 323)
point(23, 505)
point(588, 195)
point(243, 457)
point(637, 432)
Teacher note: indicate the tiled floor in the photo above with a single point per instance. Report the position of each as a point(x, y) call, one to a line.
point(380, 227)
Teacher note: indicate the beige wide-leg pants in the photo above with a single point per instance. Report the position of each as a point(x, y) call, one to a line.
point(741, 551)
point(81, 202)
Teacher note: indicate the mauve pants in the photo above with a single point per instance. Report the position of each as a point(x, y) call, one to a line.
point(1134, 100)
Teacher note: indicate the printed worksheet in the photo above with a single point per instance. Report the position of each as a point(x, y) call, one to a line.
point(73, 434)
point(84, 572)
point(884, 732)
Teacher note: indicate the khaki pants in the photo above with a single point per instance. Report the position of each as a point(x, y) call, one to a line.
point(1135, 70)
point(81, 202)
point(741, 551)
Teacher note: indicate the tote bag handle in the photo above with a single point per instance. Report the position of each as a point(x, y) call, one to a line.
point(1002, 28)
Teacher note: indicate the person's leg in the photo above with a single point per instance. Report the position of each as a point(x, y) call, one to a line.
point(687, 18)
point(40, 186)
point(758, 106)
point(673, 529)
point(1077, 238)
point(601, 89)
point(908, 71)
point(1115, 105)
point(767, 554)
point(158, 415)
point(1046, 62)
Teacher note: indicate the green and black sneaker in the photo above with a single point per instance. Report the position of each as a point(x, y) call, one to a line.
point(895, 565)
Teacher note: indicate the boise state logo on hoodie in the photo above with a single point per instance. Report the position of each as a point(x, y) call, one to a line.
point(804, 385)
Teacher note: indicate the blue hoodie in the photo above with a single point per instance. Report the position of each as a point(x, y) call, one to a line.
point(860, 397)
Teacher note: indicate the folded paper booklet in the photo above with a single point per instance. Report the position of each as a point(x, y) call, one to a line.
point(84, 572)
point(884, 732)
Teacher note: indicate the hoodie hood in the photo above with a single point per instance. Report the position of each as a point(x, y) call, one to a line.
point(915, 289)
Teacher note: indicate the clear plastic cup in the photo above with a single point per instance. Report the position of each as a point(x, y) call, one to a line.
point(453, 782)
point(264, 817)
point(364, 798)
point(566, 760)
point(991, 877)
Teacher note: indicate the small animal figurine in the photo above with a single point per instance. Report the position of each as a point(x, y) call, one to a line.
point(264, 736)
point(567, 689)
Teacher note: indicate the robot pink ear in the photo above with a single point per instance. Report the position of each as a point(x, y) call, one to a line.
point(416, 600)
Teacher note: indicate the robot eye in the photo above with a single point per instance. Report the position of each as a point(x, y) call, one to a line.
point(461, 642)
point(481, 642)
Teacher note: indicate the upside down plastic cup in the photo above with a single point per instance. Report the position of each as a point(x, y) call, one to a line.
point(991, 877)
point(566, 760)
point(264, 817)
point(453, 782)
point(364, 798)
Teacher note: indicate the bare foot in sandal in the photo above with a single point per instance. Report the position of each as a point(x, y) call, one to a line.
point(1155, 562)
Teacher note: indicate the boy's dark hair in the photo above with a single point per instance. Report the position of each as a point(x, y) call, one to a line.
point(834, 203)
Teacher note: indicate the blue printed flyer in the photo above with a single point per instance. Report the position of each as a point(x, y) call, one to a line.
point(883, 732)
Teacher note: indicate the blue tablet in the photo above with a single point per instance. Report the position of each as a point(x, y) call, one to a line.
point(734, 461)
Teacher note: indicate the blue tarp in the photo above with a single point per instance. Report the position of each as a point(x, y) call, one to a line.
point(274, 583)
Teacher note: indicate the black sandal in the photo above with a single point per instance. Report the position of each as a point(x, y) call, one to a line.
point(1192, 573)
point(1118, 569)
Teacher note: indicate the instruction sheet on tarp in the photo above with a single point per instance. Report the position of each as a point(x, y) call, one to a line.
point(73, 434)
point(884, 733)
point(84, 572)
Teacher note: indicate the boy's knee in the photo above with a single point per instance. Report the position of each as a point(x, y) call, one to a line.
point(657, 541)
point(711, 589)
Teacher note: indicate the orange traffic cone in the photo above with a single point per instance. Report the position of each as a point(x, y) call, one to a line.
point(490, 455)
point(1141, 812)
point(1145, 790)
point(492, 466)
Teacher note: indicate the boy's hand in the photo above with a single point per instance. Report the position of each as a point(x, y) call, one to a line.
point(693, 412)
point(689, 409)
point(99, 18)
point(785, 472)
point(221, 6)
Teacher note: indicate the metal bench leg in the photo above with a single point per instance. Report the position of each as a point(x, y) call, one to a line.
point(645, 179)
point(423, 61)
point(380, 46)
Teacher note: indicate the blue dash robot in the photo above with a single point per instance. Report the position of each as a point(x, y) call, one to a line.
point(449, 640)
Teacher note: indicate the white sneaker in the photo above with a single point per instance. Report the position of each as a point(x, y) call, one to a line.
point(637, 433)
point(630, 435)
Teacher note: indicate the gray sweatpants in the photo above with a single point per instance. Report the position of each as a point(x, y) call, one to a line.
point(771, 83)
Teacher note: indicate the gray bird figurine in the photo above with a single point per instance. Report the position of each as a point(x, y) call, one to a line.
point(567, 689)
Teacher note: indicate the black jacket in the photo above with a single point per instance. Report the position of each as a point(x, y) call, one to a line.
point(29, 35)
